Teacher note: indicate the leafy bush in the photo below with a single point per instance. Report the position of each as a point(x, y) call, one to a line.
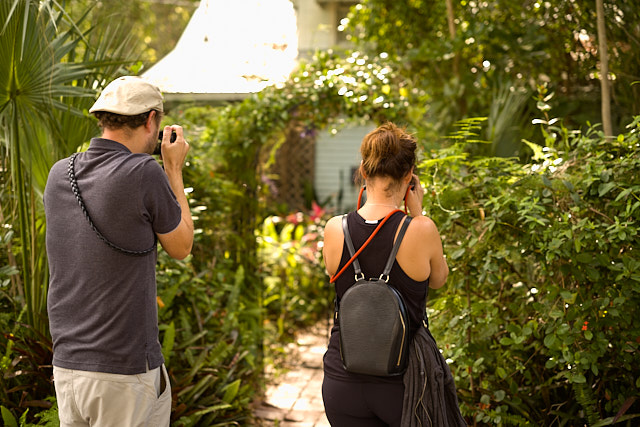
point(210, 357)
point(538, 316)
point(296, 289)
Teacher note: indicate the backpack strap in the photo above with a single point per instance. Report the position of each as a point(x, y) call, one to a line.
point(352, 250)
point(394, 250)
point(355, 255)
point(392, 255)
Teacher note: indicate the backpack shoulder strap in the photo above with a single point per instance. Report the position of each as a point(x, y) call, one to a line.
point(394, 251)
point(352, 250)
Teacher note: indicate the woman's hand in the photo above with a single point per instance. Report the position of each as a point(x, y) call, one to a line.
point(414, 197)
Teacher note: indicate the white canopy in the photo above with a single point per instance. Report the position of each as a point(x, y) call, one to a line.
point(231, 47)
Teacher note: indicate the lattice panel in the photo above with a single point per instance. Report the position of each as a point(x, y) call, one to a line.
point(295, 167)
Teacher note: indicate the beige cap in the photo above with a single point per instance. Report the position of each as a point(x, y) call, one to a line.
point(128, 96)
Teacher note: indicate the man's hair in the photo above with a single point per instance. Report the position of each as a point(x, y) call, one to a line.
point(107, 120)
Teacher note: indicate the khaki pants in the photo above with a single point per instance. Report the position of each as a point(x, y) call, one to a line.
point(99, 399)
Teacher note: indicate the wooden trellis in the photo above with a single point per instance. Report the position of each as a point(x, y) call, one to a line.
point(294, 168)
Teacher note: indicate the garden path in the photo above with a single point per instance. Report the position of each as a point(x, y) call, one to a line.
point(294, 398)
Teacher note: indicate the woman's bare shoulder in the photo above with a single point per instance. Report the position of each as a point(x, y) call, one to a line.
point(423, 224)
point(335, 223)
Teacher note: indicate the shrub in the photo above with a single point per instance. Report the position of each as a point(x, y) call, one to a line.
point(538, 316)
point(296, 289)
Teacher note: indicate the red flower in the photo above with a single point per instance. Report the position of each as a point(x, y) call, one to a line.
point(316, 211)
point(584, 327)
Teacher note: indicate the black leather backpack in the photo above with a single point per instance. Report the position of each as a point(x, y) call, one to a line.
point(373, 319)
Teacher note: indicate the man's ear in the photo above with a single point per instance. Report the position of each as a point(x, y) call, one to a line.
point(149, 124)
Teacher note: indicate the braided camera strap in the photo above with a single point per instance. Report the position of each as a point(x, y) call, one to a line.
point(76, 192)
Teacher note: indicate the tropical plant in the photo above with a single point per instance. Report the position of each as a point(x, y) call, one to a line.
point(205, 343)
point(459, 61)
point(537, 317)
point(46, 81)
point(296, 289)
point(48, 76)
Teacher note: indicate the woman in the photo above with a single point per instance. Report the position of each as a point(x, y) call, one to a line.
point(388, 161)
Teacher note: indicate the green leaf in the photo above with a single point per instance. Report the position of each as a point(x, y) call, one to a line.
point(584, 257)
point(506, 341)
point(8, 418)
point(458, 253)
point(501, 372)
point(499, 395)
point(605, 188)
point(578, 378)
point(549, 340)
point(568, 297)
point(588, 335)
point(168, 342)
point(538, 153)
point(231, 391)
point(556, 313)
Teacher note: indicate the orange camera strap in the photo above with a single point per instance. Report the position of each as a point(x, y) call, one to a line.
point(333, 279)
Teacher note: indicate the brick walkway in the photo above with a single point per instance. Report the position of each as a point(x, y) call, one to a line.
point(295, 397)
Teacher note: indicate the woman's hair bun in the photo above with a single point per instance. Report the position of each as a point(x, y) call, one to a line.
point(388, 151)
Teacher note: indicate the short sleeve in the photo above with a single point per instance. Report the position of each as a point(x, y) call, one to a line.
point(159, 202)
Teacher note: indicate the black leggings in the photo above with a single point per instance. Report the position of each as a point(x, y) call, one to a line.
point(362, 404)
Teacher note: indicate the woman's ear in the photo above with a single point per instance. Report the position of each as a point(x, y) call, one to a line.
point(408, 177)
point(361, 170)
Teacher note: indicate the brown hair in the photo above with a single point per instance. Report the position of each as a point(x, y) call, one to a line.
point(387, 151)
point(118, 121)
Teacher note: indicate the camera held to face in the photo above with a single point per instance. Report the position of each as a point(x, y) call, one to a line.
point(157, 151)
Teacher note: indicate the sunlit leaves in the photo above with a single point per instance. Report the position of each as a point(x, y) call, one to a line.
point(545, 275)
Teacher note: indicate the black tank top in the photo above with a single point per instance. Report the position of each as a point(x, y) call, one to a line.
point(372, 261)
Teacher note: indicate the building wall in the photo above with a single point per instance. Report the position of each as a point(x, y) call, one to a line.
point(318, 21)
point(337, 158)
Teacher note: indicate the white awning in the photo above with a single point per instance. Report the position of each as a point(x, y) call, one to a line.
point(231, 47)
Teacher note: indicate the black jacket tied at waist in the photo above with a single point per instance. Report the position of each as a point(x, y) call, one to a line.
point(430, 398)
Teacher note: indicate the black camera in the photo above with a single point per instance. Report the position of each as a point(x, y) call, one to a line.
point(157, 151)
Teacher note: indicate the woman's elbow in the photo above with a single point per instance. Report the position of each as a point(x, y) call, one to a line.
point(438, 279)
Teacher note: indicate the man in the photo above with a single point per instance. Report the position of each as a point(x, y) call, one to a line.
point(102, 305)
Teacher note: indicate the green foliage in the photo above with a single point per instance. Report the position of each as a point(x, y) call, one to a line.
point(503, 42)
point(48, 417)
point(538, 318)
point(25, 368)
point(538, 315)
point(155, 27)
point(296, 290)
point(207, 342)
point(47, 77)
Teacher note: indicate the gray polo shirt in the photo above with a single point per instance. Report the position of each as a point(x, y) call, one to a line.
point(101, 303)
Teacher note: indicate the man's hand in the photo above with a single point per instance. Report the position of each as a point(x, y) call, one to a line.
point(174, 153)
point(178, 242)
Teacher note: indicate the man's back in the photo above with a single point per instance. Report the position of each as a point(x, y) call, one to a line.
point(102, 303)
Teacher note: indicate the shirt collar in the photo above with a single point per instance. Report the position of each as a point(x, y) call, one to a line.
point(103, 144)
